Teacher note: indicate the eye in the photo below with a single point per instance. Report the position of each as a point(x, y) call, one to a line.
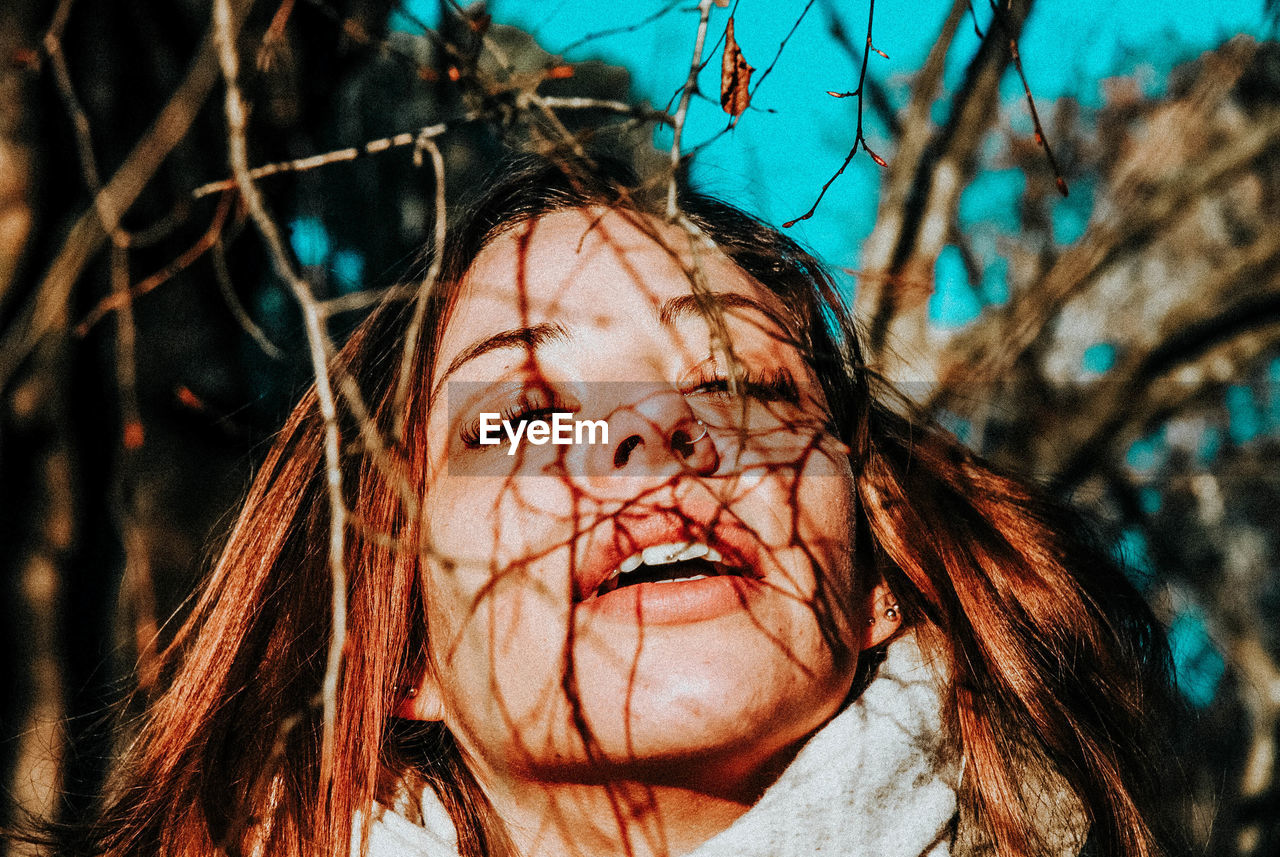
point(775, 385)
point(531, 403)
point(771, 416)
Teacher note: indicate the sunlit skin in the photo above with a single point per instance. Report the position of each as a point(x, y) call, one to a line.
point(692, 695)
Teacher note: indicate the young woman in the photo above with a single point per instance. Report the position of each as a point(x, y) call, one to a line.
point(727, 602)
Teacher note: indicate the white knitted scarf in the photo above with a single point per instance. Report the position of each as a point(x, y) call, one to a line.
point(879, 780)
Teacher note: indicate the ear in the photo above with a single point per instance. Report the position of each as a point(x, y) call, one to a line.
point(884, 616)
point(419, 700)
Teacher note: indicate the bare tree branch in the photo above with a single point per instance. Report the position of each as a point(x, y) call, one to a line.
point(317, 339)
point(858, 138)
point(986, 353)
point(682, 111)
point(49, 306)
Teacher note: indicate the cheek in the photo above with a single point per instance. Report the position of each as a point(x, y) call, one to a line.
point(496, 638)
point(497, 593)
point(824, 524)
point(497, 552)
point(496, 522)
point(824, 519)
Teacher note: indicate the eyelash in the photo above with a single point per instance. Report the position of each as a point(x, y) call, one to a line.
point(776, 385)
point(532, 404)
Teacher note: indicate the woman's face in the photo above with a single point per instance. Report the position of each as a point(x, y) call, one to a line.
point(674, 602)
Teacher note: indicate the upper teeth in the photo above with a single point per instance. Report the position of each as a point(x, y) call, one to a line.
point(667, 554)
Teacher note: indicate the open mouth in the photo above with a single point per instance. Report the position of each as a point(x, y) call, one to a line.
point(677, 562)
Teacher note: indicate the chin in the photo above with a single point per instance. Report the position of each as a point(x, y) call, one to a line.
point(722, 689)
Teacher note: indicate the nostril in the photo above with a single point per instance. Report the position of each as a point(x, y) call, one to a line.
point(682, 443)
point(625, 449)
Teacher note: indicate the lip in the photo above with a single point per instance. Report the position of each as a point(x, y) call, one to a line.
point(671, 602)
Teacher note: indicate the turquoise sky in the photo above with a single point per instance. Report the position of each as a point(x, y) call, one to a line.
point(783, 150)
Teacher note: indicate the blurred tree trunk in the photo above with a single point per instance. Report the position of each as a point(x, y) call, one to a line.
point(37, 526)
point(920, 192)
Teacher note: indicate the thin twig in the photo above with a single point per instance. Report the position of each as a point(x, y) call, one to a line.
point(357, 301)
point(858, 138)
point(505, 65)
point(222, 274)
point(781, 47)
point(974, 16)
point(681, 89)
point(421, 300)
point(160, 228)
point(117, 300)
point(1041, 137)
point(126, 332)
point(237, 145)
point(273, 38)
point(373, 445)
point(48, 307)
point(528, 98)
point(622, 108)
point(527, 94)
point(75, 111)
point(662, 116)
point(627, 28)
point(410, 138)
point(298, 165)
point(125, 345)
point(682, 112)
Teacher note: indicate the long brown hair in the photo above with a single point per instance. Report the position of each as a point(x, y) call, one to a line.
point(1058, 670)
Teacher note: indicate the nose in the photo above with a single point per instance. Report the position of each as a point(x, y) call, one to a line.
point(658, 434)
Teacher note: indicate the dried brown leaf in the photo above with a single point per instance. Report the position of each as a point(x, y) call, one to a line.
point(735, 77)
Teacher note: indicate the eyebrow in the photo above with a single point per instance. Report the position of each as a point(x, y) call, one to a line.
point(686, 305)
point(534, 336)
point(530, 338)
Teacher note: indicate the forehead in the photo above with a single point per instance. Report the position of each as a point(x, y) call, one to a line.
point(599, 268)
